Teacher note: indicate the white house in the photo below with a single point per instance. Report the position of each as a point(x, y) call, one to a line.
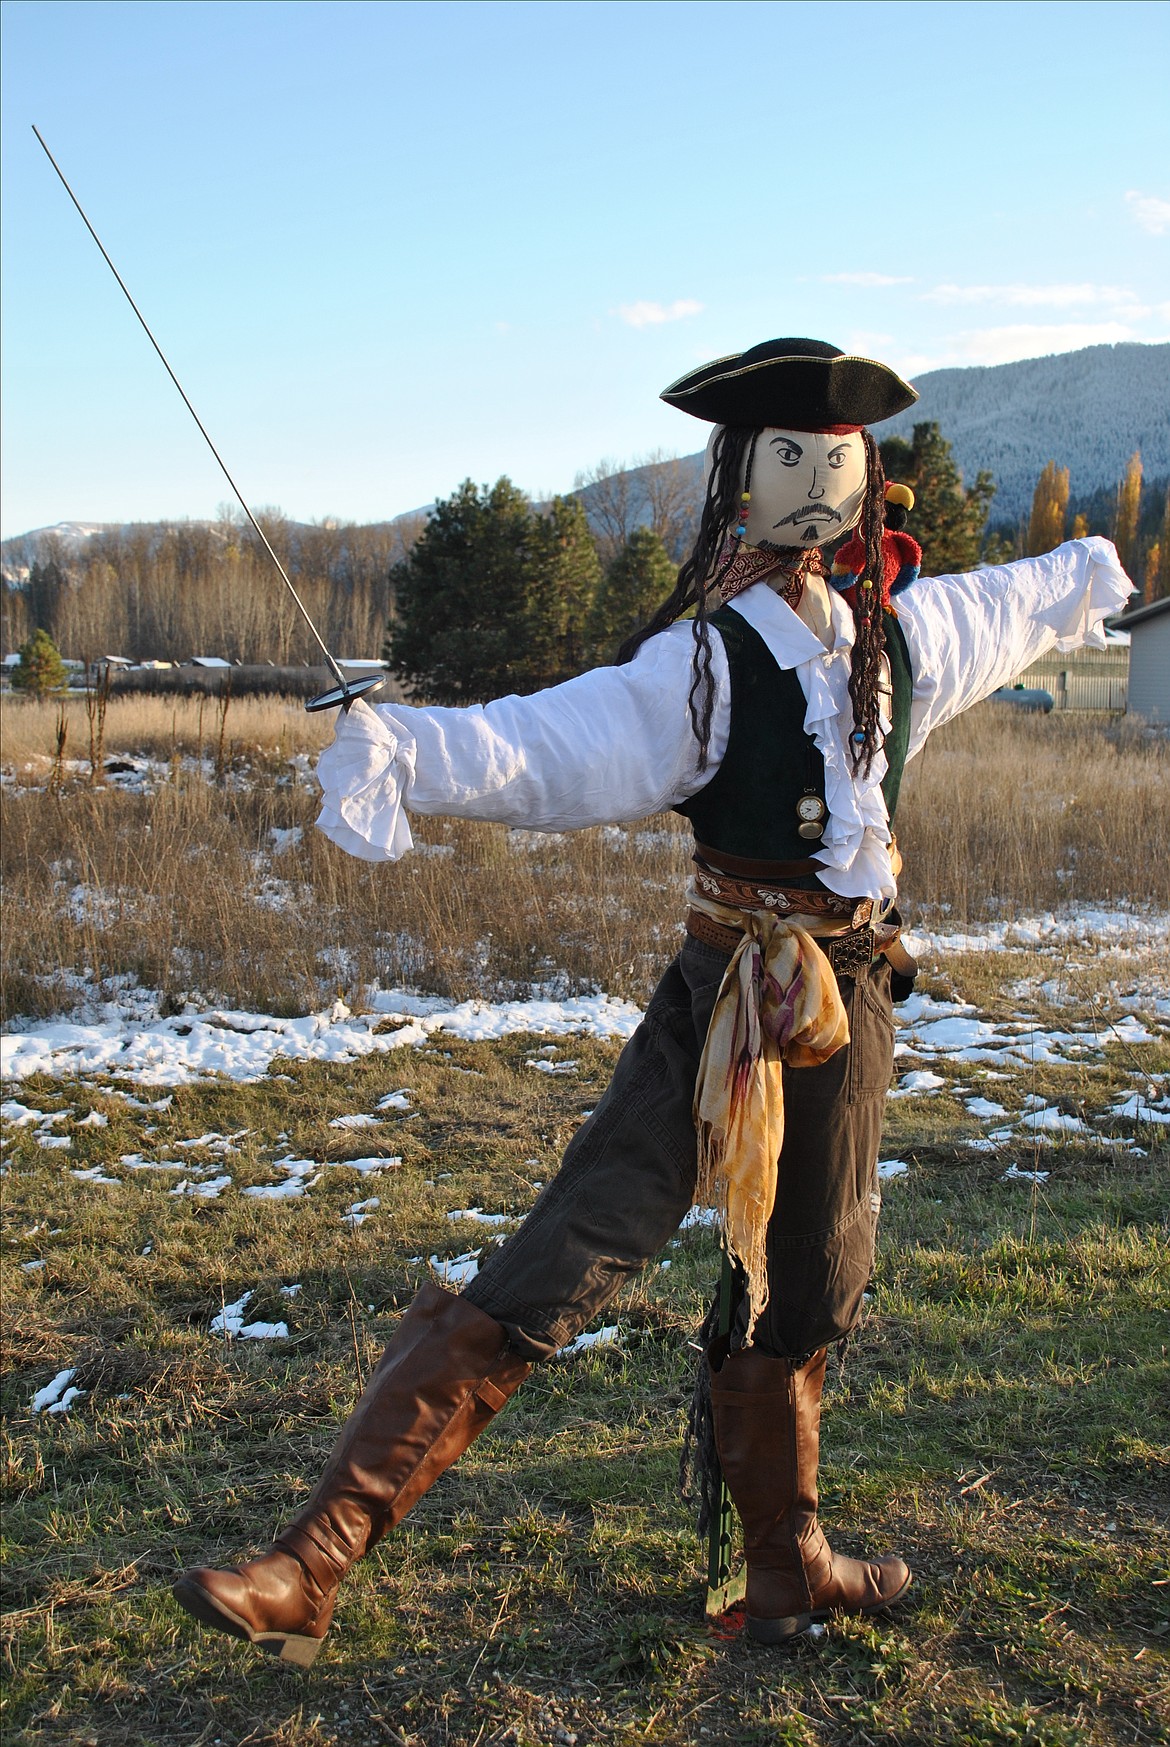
point(1149, 660)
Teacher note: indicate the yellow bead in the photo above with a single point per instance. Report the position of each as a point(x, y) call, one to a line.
point(900, 494)
point(866, 582)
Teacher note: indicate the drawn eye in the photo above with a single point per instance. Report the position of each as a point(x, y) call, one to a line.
point(839, 456)
point(788, 453)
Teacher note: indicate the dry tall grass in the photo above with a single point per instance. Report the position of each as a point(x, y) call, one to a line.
point(188, 891)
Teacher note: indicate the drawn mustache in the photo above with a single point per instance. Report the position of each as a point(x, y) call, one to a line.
point(809, 514)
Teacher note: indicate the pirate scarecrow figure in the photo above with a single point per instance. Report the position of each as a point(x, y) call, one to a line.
point(778, 715)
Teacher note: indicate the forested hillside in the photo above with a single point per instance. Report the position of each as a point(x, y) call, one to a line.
point(1087, 411)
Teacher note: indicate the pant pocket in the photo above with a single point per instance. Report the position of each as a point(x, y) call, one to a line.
point(871, 1034)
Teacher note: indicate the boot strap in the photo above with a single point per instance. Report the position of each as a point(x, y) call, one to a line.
point(325, 1568)
point(492, 1396)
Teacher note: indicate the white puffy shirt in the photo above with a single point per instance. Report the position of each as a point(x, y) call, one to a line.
point(617, 744)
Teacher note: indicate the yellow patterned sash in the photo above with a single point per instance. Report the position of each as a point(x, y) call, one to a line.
point(778, 1005)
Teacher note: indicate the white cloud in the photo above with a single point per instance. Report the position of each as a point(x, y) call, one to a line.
point(1006, 345)
point(1030, 296)
point(651, 315)
point(865, 344)
point(1033, 340)
point(1149, 211)
point(870, 279)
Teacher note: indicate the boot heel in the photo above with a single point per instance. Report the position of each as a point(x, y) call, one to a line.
point(301, 1652)
point(778, 1631)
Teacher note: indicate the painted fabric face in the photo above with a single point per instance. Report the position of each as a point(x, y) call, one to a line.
point(807, 487)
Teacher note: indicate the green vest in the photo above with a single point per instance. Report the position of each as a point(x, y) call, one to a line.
point(749, 807)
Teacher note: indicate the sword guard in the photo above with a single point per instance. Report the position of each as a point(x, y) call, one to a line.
point(342, 696)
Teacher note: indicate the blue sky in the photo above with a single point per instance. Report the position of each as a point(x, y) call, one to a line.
point(391, 246)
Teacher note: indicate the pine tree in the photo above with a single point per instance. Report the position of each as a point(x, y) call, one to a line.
point(493, 597)
point(40, 671)
point(1049, 508)
point(948, 519)
point(562, 589)
point(1129, 499)
point(637, 580)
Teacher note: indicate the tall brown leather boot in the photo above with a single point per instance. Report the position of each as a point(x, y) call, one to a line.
point(446, 1373)
point(767, 1431)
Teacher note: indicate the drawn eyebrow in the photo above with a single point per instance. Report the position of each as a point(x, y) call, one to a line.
point(787, 442)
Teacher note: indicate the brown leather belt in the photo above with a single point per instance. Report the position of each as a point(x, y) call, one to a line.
point(718, 860)
point(848, 953)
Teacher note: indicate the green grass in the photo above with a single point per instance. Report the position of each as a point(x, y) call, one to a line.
point(1001, 1417)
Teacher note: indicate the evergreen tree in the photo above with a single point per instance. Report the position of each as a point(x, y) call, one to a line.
point(562, 588)
point(948, 519)
point(637, 580)
point(40, 670)
point(44, 591)
point(1129, 499)
point(493, 597)
point(1049, 508)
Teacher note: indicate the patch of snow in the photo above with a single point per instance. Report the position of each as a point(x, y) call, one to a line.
point(478, 1215)
point(705, 1218)
point(360, 1211)
point(57, 1396)
point(1013, 1174)
point(394, 1101)
point(177, 1049)
point(358, 1120)
point(1053, 1121)
point(456, 1271)
point(32, 1267)
point(915, 1084)
point(230, 1322)
point(93, 1175)
point(985, 1108)
point(208, 1190)
point(888, 1168)
point(601, 1337)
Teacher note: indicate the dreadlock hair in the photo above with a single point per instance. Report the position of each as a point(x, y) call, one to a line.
point(700, 576)
point(869, 642)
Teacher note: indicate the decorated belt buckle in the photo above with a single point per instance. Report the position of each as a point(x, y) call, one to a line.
point(852, 952)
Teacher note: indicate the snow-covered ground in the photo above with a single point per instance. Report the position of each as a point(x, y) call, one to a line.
point(126, 1037)
point(126, 1042)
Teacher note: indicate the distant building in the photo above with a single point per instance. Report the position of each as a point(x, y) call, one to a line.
point(1149, 660)
point(1085, 679)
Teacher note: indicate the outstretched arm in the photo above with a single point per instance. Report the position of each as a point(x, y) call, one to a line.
point(611, 745)
point(970, 634)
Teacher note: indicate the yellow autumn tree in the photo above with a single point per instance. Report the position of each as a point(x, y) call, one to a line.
point(1049, 508)
point(1153, 588)
point(1129, 498)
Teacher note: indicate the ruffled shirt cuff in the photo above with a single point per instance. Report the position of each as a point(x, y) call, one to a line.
point(1078, 619)
point(365, 777)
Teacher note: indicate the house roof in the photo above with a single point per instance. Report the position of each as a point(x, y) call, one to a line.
point(1137, 615)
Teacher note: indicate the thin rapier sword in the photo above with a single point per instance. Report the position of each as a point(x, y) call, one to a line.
point(346, 690)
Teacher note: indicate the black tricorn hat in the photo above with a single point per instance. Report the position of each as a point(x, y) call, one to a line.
point(797, 385)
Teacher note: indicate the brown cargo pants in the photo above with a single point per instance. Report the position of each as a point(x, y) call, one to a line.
point(628, 1176)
